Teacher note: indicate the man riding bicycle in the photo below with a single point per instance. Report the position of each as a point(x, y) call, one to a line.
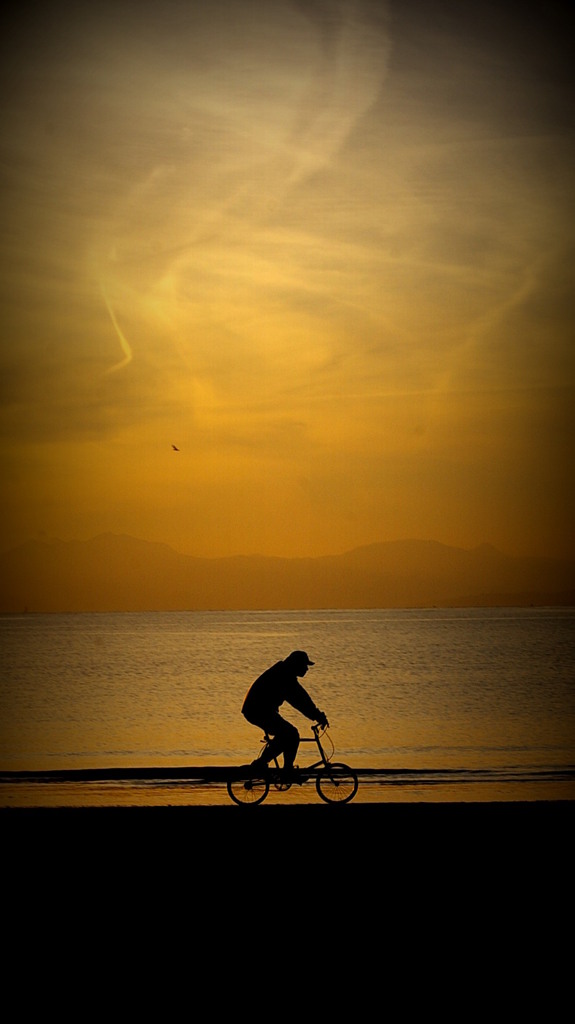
point(261, 707)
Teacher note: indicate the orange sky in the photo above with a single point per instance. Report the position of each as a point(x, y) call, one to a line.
point(322, 247)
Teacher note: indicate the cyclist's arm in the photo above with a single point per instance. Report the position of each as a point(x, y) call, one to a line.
point(301, 701)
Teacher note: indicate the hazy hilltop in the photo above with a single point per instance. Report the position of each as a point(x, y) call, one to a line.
point(121, 573)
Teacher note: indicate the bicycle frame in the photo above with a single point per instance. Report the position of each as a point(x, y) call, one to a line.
point(324, 759)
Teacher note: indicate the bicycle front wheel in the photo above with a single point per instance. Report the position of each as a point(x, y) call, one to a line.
point(249, 790)
point(337, 784)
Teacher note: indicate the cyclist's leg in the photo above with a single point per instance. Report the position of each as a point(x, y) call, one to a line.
point(284, 739)
point(261, 762)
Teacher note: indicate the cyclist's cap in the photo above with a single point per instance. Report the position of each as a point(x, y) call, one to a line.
point(302, 657)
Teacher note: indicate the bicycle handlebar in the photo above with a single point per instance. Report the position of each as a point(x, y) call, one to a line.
point(317, 727)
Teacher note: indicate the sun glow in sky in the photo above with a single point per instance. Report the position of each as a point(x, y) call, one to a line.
point(323, 247)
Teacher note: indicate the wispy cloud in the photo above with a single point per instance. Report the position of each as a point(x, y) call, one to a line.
point(310, 240)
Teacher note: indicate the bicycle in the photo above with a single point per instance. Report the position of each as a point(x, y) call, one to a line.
point(336, 783)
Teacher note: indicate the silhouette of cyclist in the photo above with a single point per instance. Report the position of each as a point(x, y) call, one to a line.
point(261, 707)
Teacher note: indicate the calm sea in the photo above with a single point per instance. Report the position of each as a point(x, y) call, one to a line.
point(467, 704)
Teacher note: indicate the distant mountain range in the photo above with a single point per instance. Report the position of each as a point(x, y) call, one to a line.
point(121, 573)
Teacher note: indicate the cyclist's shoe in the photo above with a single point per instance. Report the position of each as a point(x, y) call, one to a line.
point(294, 776)
point(259, 766)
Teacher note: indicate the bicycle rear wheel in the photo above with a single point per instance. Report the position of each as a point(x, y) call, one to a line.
point(337, 784)
point(249, 790)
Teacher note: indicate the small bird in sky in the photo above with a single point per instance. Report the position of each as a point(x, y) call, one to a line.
point(174, 448)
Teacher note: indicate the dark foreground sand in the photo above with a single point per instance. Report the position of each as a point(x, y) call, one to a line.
point(427, 869)
point(368, 830)
point(499, 819)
